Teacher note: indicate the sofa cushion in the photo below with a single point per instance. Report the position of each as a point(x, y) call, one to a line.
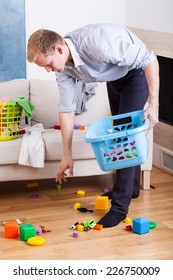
point(10, 151)
point(53, 143)
point(44, 95)
point(15, 89)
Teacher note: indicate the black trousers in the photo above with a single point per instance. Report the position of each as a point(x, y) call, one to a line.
point(125, 95)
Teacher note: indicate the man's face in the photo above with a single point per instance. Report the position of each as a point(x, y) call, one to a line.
point(53, 62)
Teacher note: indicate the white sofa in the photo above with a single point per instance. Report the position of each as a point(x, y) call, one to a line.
point(44, 95)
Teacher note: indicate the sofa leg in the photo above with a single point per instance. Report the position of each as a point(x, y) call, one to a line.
point(145, 184)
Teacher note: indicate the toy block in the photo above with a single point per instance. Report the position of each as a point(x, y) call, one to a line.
point(98, 227)
point(101, 203)
point(75, 234)
point(26, 231)
point(128, 227)
point(141, 225)
point(11, 229)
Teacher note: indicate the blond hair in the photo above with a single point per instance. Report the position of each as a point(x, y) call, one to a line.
point(42, 41)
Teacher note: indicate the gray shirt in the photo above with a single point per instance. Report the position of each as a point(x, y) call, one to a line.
point(101, 53)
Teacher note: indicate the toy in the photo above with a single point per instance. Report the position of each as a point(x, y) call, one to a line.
point(77, 126)
point(44, 229)
point(80, 227)
point(19, 221)
point(34, 195)
point(74, 225)
point(141, 225)
point(89, 224)
point(106, 190)
point(81, 192)
point(84, 210)
point(128, 227)
point(32, 185)
point(76, 205)
point(101, 203)
point(98, 227)
point(26, 231)
point(35, 241)
point(75, 234)
point(58, 187)
point(152, 224)
point(39, 231)
point(128, 220)
point(11, 229)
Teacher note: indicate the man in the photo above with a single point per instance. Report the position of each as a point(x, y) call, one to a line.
point(100, 53)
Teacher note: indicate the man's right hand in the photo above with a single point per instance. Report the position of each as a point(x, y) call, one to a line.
point(66, 163)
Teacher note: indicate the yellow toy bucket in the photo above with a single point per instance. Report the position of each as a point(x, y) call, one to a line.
point(10, 118)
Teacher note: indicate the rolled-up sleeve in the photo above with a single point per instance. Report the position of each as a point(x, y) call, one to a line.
point(67, 92)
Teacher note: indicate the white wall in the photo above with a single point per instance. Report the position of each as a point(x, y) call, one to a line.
point(150, 14)
point(64, 16)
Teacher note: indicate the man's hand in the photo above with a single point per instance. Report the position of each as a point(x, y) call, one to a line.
point(152, 114)
point(66, 163)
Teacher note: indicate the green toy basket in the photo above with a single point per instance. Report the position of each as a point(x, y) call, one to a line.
point(10, 119)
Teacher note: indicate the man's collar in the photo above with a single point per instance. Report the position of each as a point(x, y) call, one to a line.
point(76, 58)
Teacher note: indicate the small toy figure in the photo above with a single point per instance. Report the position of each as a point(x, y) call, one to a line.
point(44, 229)
point(84, 210)
point(74, 225)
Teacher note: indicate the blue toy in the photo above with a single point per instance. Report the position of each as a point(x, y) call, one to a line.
point(141, 225)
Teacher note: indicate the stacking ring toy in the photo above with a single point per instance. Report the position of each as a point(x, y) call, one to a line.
point(36, 241)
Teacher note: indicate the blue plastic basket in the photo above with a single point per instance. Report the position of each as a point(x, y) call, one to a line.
point(119, 141)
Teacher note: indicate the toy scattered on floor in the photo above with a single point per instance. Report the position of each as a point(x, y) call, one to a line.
point(89, 224)
point(152, 224)
point(11, 229)
point(141, 225)
point(35, 196)
point(75, 234)
point(80, 227)
point(98, 227)
point(58, 187)
point(128, 227)
point(86, 226)
point(106, 190)
point(128, 220)
point(76, 205)
point(26, 231)
point(74, 225)
point(39, 231)
point(80, 192)
point(101, 203)
point(84, 210)
point(19, 221)
point(36, 241)
point(32, 185)
point(44, 229)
